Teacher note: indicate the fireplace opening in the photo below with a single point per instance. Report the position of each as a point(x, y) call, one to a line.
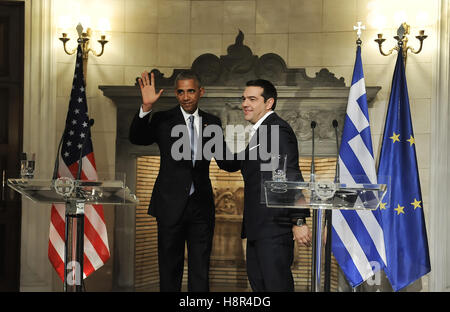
point(227, 268)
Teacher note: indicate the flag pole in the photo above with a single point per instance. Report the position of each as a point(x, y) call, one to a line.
point(77, 142)
point(403, 219)
point(358, 44)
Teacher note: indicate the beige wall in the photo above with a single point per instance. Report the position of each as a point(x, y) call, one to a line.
point(168, 34)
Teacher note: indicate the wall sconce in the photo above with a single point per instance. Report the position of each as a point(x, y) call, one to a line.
point(84, 39)
point(402, 41)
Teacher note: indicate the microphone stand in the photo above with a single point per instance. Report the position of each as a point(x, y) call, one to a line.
point(80, 215)
point(328, 219)
point(67, 218)
point(337, 177)
point(317, 227)
point(313, 171)
point(56, 167)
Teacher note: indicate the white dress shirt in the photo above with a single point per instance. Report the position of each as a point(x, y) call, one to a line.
point(186, 116)
point(257, 124)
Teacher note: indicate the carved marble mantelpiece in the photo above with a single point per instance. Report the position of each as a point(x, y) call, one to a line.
point(297, 106)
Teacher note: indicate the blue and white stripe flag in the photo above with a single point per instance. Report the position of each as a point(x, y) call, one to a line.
point(357, 235)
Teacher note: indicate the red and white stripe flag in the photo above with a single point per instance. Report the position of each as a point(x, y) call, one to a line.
point(96, 249)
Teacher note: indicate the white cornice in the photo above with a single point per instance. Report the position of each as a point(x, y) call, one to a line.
point(39, 136)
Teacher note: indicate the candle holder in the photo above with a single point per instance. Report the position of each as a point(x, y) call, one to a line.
point(402, 41)
point(84, 39)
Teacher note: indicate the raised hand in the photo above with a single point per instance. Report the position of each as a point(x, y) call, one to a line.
point(148, 92)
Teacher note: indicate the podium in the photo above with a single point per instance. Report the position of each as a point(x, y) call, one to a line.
point(321, 196)
point(74, 194)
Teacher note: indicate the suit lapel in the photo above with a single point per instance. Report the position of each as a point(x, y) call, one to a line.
point(203, 123)
point(269, 120)
point(254, 145)
point(176, 118)
point(254, 142)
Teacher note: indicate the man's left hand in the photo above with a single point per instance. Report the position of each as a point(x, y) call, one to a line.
point(302, 235)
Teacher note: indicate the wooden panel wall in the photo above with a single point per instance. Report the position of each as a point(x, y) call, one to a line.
point(146, 266)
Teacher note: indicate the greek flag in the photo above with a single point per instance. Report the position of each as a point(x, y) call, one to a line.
point(357, 235)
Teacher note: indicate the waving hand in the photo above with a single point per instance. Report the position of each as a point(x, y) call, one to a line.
point(148, 92)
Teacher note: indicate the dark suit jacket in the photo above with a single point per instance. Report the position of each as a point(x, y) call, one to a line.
point(260, 221)
point(172, 186)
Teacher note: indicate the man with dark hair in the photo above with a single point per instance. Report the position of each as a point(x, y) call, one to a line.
point(182, 199)
point(270, 232)
point(269, 90)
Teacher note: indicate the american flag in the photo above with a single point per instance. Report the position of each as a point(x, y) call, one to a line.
point(96, 249)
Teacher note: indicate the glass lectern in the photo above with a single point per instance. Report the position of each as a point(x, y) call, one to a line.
point(321, 195)
point(74, 194)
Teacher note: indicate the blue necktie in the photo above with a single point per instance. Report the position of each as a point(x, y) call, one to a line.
point(193, 147)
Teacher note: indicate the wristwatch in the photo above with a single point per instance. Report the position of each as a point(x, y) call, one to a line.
point(299, 221)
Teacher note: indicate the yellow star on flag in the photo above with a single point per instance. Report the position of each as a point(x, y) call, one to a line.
point(411, 140)
point(399, 209)
point(383, 206)
point(416, 203)
point(395, 137)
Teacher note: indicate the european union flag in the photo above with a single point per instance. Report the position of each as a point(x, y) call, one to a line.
point(403, 221)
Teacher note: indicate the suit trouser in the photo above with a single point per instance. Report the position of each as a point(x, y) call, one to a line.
point(197, 231)
point(269, 263)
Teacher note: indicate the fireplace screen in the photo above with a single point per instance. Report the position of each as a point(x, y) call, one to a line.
point(227, 269)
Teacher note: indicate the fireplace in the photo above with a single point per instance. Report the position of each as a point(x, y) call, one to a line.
point(301, 99)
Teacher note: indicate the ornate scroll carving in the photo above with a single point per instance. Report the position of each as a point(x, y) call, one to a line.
point(300, 121)
point(229, 202)
point(241, 65)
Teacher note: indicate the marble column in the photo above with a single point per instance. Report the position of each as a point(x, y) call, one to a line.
point(439, 278)
point(39, 136)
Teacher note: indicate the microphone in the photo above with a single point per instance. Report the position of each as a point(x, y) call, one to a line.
point(328, 220)
point(55, 169)
point(80, 162)
point(335, 123)
point(335, 126)
point(313, 171)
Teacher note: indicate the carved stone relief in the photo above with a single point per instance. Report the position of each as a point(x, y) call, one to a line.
point(229, 201)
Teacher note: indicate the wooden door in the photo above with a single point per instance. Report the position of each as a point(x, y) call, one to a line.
point(11, 112)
